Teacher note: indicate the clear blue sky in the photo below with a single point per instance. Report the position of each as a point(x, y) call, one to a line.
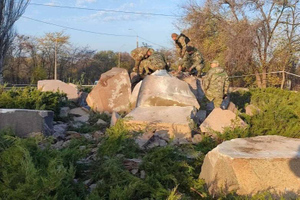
point(156, 29)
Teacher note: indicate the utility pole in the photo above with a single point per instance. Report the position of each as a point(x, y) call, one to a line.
point(119, 64)
point(55, 61)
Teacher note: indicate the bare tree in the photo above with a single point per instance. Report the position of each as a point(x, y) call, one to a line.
point(10, 12)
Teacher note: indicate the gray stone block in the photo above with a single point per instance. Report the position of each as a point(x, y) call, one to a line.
point(23, 121)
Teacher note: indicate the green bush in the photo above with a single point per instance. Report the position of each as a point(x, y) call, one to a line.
point(30, 172)
point(32, 98)
point(279, 113)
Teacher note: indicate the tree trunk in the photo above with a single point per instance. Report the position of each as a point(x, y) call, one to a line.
point(283, 80)
point(258, 79)
point(1, 70)
point(264, 78)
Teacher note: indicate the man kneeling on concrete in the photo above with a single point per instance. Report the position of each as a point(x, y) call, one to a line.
point(193, 63)
point(147, 61)
point(216, 84)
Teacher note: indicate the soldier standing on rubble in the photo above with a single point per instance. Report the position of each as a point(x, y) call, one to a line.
point(181, 42)
point(216, 84)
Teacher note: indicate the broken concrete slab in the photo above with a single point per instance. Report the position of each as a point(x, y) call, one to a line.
point(232, 107)
point(249, 166)
point(195, 85)
point(57, 85)
point(64, 111)
point(23, 121)
point(114, 118)
point(219, 119)
point(134, 95)
point(165, 91)
point(83, 118)
point(112, 93)
point(79, 111)
point(175, 120)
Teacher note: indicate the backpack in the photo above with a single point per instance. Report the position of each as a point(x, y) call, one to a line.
point(186, 38)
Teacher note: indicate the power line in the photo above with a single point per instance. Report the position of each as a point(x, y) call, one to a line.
point(86, 31)
point(105, 10)
point(77, 29)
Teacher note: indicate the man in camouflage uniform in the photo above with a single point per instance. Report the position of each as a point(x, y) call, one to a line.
point(215, 84)
point(139, 54)
point(194, 62)
point(180, 43)
point(147, 60)
point(154, 62)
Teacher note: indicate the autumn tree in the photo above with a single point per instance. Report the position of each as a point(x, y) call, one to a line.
point(10, 12)
point(246, 35)
point(53, 47)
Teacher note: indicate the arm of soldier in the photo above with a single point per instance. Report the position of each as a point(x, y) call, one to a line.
point(206, 80)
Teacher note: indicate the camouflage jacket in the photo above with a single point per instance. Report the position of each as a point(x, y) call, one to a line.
point(180, 45)
point(155, 62)
point(215, 83)
point(139, 54)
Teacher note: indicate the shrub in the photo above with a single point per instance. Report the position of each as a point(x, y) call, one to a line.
point(32, 98)
point(29, 172)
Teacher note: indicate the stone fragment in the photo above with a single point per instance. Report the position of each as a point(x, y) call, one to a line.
point(23, 121)
point(197, 139)
point(134, 171)
point(57, 85)
point(141, 140)
point(58, 145)
point(112, 93)
point(232, 107)
point(165, 91)
point(78, 111)
point(87, 136)
point(252, 110)
point(97, 135)
point(101, 122)
point(92, 187)
point(64, 112)
point(175, 120)
point(249, 166)
point(143, 174)
point(60, 131)
point(114, 118)
point(131, 164)
point(220, 119)
point(134, 95)
point(83, 119)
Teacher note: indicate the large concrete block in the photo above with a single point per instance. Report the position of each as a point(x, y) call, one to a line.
point(57, 85)
point(134, 95)
point(24, 121)
point(112, 93)
point(195, 85)
point(175, 120)
point(252, 165)
point(165, 91)
point(219, 119)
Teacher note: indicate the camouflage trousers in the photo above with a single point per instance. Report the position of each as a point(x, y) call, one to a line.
point(217, 101)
